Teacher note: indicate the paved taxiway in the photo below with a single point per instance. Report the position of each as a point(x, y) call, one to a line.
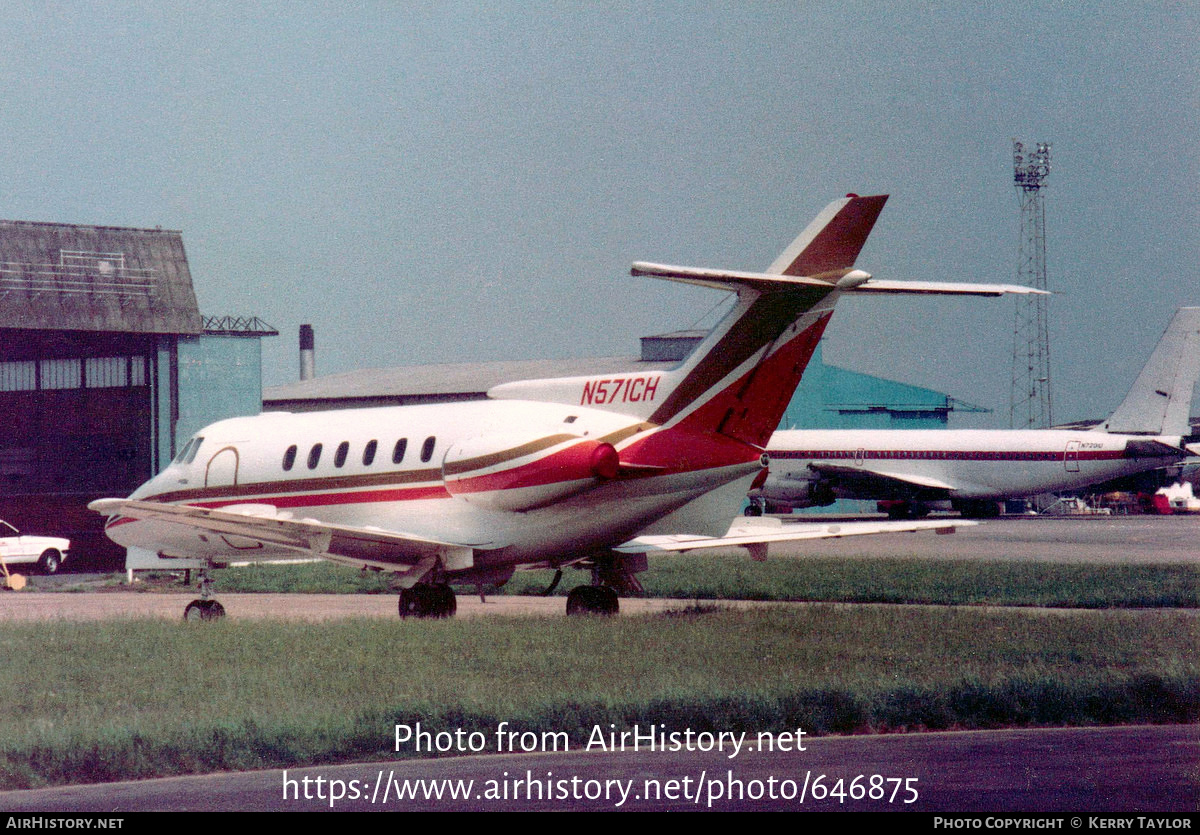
point(1105, 539)
point(1069, 770)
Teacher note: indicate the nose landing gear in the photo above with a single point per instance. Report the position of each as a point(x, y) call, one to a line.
point(204, 609)
point(199, 610)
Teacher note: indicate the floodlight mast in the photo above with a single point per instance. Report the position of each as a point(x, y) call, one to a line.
point(1030, 401)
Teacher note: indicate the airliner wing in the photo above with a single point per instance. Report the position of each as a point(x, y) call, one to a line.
point(875, 479)
point(757, 534)
point(404, 553)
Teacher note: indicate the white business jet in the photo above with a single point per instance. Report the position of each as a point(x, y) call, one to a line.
point(588, 472)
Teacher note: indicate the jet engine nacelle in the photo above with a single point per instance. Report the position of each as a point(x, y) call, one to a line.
point(796, 492)
point(517, 472)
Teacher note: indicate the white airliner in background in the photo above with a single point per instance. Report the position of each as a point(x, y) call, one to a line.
point(976, 468)
point(592, 472)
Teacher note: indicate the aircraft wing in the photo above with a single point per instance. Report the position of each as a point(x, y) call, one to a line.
point(408, 554)
point(756, 534)
point(875, 481)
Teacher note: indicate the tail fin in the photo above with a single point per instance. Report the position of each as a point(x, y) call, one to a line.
point(737, 383)
point(1161, 398)
point(834, 238)
point(739, 380)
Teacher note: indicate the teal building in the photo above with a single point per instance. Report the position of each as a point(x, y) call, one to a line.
point(829, 397)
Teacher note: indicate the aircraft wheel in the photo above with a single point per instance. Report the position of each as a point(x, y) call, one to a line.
point(446, 604)
point(49, 561)
point(203, 610)
point(413, 602)
point(592, 600)
point(753, 510)
point(428, 601)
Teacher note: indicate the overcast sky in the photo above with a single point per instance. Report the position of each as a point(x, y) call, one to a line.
point(451, 182)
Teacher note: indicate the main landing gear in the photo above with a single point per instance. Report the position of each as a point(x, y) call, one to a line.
point(612, 575)
point(205, 608)
point(593, 600)
point(978, 508)
point(428, 600)
point(897, 509)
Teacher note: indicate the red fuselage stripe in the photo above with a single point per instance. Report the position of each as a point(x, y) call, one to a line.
point(947, 455)
point(324, 499)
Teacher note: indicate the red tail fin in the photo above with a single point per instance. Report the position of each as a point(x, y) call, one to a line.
point(740, 379)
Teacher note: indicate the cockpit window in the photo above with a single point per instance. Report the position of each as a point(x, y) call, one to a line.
point(183, 452)
point(191, 456)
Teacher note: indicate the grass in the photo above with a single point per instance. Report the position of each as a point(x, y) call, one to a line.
point(145, 698)
point(849, 580)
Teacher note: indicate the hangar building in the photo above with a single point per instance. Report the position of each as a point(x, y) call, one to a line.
point(828, 397)
point(105, 361)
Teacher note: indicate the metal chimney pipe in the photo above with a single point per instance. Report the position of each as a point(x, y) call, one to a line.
point(308, 357)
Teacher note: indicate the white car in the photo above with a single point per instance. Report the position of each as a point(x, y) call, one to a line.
point(47, 552)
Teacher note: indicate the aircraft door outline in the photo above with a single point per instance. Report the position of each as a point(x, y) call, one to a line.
point(1071, 457)
point(222, 468)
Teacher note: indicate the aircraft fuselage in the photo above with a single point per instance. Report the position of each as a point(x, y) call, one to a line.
point(963, 464)
point(521, 483)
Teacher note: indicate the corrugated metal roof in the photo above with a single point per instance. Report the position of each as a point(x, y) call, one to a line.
point(58, 276)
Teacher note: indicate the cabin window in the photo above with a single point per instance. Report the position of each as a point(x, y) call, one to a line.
point(369, 452)
point(427, 449)
point(571, 419)
point(398, 450)
point(339, 457)
point(195, 448)
point(289, 458)
point(314, 456)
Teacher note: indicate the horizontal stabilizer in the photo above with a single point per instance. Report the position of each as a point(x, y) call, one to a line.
point(1150, 448)
point(847, 280)
point(944, 288)
point(722, 279)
